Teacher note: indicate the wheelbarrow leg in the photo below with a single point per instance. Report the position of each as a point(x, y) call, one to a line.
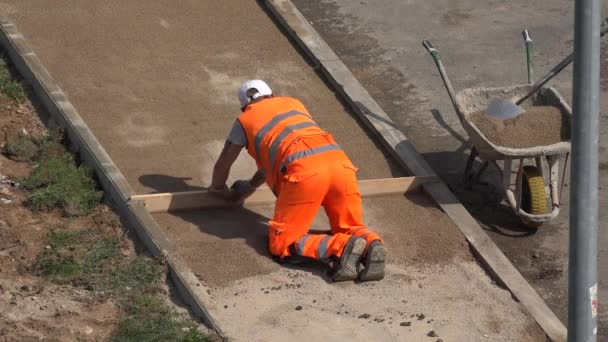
point(482, 169)
point(468, 173)
point(553, 180)
point(518, 186)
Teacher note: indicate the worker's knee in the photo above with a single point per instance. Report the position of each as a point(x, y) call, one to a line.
point(278, 239)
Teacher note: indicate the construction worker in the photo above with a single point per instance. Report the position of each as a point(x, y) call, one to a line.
point(306, 169)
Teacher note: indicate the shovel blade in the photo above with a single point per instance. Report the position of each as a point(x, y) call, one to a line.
point(503, 109)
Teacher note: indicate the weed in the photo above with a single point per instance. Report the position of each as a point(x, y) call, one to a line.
point(95, 259)
point(137, 275)
point(59, 182)
point(91, 257)
point(58, 260)
point(150, 319)
point(22, 148)
point(8, 86)
point(57, 266)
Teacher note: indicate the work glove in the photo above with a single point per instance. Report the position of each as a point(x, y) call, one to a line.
point(223, 192)
point(242, 189)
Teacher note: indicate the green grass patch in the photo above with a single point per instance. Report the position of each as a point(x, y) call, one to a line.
point(71, 256)
point(22, 148)
point(136, 276)
point(91, 257)
point(8, 85)
point(148, 318)
point(58, 182)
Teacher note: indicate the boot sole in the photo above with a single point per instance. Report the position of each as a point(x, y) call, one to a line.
point(349, 266)
point(374, 264)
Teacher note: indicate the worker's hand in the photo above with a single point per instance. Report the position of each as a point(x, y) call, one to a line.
point(242, 189)
point(222, 192)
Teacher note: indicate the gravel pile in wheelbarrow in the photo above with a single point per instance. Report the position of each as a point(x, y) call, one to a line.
point(537, 126)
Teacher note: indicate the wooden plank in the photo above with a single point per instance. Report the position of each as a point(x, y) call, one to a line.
point(202, 199)
point(382, 126)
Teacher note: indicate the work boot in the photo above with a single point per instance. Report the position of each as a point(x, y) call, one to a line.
point(374, 262)
point(348, 265)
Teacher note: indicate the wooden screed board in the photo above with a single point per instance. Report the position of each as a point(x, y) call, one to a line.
point(202, 199)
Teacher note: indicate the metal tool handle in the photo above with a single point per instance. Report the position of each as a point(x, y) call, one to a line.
point(556, 69)
point(529, 55)
point(446, 81)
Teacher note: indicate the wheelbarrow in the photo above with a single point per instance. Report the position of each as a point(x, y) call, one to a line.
point(527, 195)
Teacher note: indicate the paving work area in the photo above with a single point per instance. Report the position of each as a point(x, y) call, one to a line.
point(157, 85)
point(481, 46)
point(257, 299)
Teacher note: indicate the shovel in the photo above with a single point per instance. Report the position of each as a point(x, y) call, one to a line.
point(504, 109)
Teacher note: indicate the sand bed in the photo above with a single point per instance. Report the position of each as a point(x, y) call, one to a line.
point(223, 246)
point(537, 126)
point(431, 274)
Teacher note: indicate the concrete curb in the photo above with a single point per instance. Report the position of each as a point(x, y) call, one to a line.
point(64, 115)
point(379, 123)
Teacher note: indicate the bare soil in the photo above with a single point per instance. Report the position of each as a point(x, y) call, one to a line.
point(17, 118)
point(537, 126)
point(32, 308)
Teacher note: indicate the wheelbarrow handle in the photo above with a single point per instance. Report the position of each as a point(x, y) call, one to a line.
point(446, 81)
point(428, 46)
point(529, 55)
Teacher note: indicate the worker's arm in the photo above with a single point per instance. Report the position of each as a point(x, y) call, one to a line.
point(222, 167)
point(257, 179)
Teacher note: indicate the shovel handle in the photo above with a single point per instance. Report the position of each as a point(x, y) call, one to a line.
point(529, 55)
point(556, 69)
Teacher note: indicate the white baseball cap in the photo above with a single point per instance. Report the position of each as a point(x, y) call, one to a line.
point(261, 86)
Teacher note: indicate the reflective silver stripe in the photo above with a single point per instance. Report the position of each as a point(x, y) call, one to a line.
point(301, 244)
point(354, 232)
point(270, 125)
point(274, 147)
point(311, 152)
point(322, 250)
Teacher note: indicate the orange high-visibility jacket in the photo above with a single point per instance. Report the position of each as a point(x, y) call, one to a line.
point(271, 126)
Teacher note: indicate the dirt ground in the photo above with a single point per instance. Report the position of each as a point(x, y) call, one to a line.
point(33, 307)
point(159, 94)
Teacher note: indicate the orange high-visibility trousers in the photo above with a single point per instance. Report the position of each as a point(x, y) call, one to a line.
point(328, 180)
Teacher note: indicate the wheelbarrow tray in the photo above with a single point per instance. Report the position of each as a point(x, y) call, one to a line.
point(471, 100)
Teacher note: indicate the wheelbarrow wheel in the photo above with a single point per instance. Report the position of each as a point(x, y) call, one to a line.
point(533, 196)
